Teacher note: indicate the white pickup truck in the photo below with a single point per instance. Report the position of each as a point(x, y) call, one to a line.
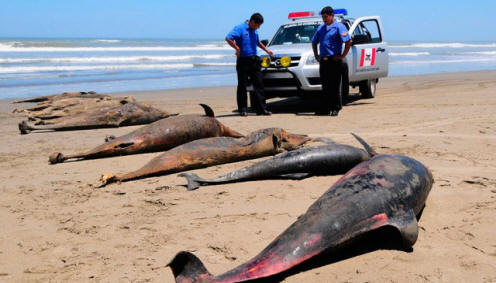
point(293, 69)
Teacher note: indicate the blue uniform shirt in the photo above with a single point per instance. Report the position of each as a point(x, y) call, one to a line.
point(331, 38)
point(246, 39)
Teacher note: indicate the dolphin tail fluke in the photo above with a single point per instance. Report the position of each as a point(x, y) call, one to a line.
point(186, 267)
point(24, 128)
point(105, 179)
point(56, 157)
point(367, 147)
point(208, 111)
point(192, 179)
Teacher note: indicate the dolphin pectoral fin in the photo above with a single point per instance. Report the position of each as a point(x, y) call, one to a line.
point(186, 267)
point(295, 176)
point(407, 225)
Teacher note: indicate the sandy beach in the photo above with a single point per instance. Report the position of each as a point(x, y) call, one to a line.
point(55, 227)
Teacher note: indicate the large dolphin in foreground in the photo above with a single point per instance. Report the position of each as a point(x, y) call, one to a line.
point(387, 190)
point(212, 151)
point(333, 158)
point(160, 135)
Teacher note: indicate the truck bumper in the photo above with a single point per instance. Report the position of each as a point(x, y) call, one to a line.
point(292, 81)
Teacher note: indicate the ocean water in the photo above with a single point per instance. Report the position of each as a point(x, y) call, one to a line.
point(30, 67)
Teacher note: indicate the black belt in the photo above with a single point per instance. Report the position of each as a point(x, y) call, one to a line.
point(329, 58)
point(249, 58)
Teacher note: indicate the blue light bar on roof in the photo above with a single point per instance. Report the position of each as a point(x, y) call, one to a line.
point(340, 12)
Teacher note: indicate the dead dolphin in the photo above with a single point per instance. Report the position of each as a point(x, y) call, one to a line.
point(84, 94)
point(72, 106)
point(387, 190)
point(333, 158)
point(128, 114)
point(212, 151)
point(160, 135)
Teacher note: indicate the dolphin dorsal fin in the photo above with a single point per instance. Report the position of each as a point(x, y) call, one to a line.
point(208, 111)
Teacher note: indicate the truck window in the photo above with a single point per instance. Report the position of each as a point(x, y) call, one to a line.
point(294, 34)
point(357, 31)
point(371, 29)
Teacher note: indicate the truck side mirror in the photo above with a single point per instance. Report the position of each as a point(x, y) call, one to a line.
point(265, 42)
point(360, 39)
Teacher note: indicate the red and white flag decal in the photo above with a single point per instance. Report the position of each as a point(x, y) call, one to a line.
point(368, 57)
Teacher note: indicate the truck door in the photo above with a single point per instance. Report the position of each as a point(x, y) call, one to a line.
point(369, 51)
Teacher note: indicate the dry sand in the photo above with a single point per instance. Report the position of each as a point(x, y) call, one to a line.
point(54, 227)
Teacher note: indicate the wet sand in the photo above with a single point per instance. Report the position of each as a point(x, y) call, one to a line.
point(54, 227)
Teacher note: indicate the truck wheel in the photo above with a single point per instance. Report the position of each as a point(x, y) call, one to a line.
point(367, 88)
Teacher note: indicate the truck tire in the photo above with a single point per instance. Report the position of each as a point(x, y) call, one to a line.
point(367, 88)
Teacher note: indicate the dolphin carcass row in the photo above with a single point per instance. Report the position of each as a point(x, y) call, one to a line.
point(127, 114)
point(49, 113)
point(81, 94)
point(160, 135)
point(387, 190)
point(329, 159)
point(213, 151)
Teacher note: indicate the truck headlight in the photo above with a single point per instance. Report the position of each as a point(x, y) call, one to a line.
point(265, 62)
point(311, 60)
point(285, 61)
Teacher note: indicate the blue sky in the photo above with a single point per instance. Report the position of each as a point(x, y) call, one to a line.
point(435, 20)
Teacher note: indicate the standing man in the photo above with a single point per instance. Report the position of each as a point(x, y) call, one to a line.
point(244, 39)
point(330, 36)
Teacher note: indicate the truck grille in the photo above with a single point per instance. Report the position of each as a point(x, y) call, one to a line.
point(295, 60)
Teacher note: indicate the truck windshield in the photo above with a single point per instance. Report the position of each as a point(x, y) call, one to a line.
point(293, 34)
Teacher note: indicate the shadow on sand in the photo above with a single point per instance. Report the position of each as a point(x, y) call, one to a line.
point(385, 238)
point(302, 106)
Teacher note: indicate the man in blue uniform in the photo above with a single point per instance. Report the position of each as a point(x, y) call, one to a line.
point(330, 37)
point(244, 39)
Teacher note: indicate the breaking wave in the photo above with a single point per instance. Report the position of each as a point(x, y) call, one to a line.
point(115, 59)
point(444, 45)
point(408, 53)
point(12, 48)
point(6, 70)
